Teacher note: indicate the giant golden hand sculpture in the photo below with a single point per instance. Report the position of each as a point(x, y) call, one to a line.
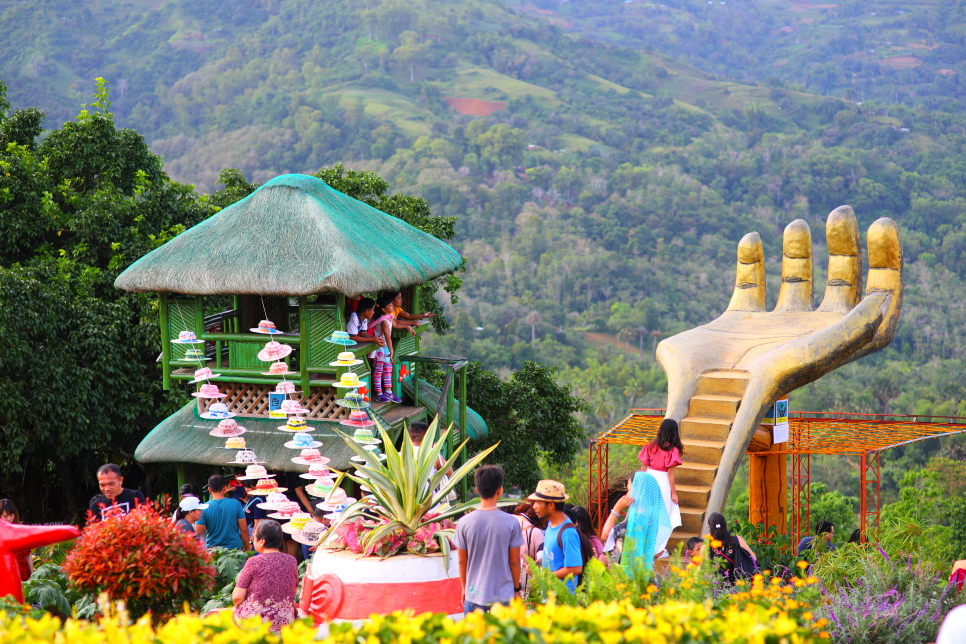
point(723, 376)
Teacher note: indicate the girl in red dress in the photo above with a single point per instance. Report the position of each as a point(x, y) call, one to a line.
point(659, 458)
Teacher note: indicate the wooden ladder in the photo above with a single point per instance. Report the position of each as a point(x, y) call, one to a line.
point(704, 432)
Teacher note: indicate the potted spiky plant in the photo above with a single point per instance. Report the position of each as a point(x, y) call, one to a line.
point(391, 552)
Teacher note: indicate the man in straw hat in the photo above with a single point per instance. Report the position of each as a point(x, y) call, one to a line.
point(562, 550)
point(488, 542)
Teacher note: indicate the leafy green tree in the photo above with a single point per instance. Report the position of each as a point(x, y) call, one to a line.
point(79, 385)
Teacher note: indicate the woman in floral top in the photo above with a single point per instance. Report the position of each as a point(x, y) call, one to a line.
point(267, 584)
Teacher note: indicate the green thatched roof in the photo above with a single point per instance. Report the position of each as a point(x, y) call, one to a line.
point(293, 236)
point(429, 398)
point(183, 438)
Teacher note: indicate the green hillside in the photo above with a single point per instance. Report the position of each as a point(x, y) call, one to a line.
point(602, 165)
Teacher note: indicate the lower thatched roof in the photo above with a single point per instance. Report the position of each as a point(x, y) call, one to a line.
point(429, 398)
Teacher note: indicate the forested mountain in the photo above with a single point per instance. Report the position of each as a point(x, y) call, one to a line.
point(603, 158)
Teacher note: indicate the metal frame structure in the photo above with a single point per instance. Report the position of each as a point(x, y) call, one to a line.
point(864, 435)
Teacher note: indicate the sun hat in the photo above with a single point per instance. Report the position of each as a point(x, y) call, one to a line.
point(272, 501)
point(365, 436)
point(336, 497)
point(310, 456)
point(203, 374)
point(345, 359)
point(187, 337)
point(235, 442)
point(301, 441)
point(340, 337)
point(350, 380)
point(286, 387)
point(286, 510)
point(193, 355)
point(209, 391)
point(254, 473)
point(190, 503)
point(265, 326)
point(264, 486)
point(358, 418)
point(226, 428)
point(321, 488)
point(274, 351)
point(297, 522)
point(292, 407)
point(372, 449)
point(246, 457)
point(548, 490)
point(279, 369)
point(295, 424)
point(217, 411)
point(310, 534)
point(317, 471)
point(353, 400)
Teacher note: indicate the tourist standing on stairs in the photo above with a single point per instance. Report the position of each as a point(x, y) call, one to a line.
point(659, 458)
point(488, 542)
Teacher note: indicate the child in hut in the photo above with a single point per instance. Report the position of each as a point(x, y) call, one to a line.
point(659, 458)
point(401, 319)
point(359, 323)
point(382, 357)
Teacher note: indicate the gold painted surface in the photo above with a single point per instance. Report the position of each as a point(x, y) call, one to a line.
point(787, 348)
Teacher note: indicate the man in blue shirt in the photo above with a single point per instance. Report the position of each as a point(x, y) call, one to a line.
point(824, 530)
point(562, 550)
point(223, 521)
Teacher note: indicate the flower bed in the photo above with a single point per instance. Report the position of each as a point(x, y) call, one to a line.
point(600, 622)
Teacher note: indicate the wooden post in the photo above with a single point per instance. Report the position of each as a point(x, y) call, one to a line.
point(304, 345)
point(165, 343)
point(767, 483)
point(182, 475)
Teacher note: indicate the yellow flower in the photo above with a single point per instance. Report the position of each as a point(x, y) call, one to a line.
point(807, 616)
point(824, 635)
point(651, 588)
point(715, 543)
point(799, 583)
point(620, 586)
point(820, 623)
point(696, 559)
point(811, 580)
point(740, 582)
point(802, 564)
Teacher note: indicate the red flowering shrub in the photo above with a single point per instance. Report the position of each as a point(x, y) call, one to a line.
point(142, 559)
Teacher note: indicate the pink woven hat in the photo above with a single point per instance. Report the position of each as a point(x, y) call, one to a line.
point(279, 369)
point(274, 351)
point(265, 326)
point(310, 456)
point(317, 471)
point(292, 407)
point(227, 428)
point(187, 337)
point(209, 391)
point(203, 374)
point(286, 387)
point(358, 418)
point(273, 500)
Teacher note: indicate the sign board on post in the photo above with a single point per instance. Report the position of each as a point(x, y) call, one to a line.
point(275, 405)
point(777, 417)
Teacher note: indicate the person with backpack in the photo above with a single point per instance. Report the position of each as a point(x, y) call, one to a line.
point(565, 550)
point(737, 559)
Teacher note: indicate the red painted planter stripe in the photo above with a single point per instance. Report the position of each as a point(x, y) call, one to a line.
point(361, 600)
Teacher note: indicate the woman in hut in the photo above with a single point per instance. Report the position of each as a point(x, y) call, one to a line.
point(266, 585)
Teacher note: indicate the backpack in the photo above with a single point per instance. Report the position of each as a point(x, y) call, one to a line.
point(743, 566)
point(586, 550)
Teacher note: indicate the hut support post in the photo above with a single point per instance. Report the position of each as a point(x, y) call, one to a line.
point(869, 495)
point(165, 344)
point(768, 490)
point(182, 475)
point(304, 343)
point(598, 483)
point(199, 302)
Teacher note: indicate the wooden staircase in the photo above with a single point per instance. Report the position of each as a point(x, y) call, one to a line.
point(704, 432)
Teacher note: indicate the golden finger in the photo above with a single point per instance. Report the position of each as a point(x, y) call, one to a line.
point(796, 289)
point(749, 294)
point(844, 260)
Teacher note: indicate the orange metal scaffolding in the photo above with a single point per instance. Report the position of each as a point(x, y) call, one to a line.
point(864, 435)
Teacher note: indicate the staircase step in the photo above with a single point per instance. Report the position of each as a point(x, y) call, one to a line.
point(692, 519)
point(715, 429)
point(696, 474)
point(714, 406)
point(702, 451)
point(723, 383)
point(693, 496)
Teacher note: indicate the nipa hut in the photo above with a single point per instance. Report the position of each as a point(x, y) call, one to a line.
point(292, 252)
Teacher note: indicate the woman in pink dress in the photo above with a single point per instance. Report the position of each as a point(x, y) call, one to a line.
point(659, 458)
point(266, 585)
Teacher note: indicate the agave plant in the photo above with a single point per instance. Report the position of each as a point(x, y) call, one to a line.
point(410, 497)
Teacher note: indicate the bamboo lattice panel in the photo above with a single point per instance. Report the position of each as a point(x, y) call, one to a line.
point(252, 400)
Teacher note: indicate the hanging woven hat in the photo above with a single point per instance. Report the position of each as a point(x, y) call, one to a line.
point(310, 456)
point(358, 418)
point(345, 359)
point(296, 424)
point(279, 369)
point(286, 387)
point(310, 534)
point(350, 380)
point(203, 374)
point(187, 337)
point(340, 337)
point(217, 411)
point(353, 400)
point(246, 457)
point(301, 440)
point(209, 391)
point(265, 326)
point(292, 407)
point(226, 428)
point(274, 351)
